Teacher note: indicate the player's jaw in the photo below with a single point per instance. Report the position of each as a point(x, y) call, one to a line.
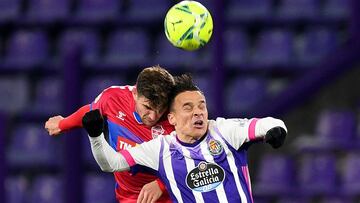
point(149, 119)
point(149, 115)
point(198, 126)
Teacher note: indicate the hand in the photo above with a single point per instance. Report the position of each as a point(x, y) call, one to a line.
point(275, 137)
point(149, 193)
point(52, 125)
point(93, 123)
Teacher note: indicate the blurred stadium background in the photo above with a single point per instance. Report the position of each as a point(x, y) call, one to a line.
point(293, 59)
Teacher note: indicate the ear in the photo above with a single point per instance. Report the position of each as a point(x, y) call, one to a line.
point(171, 118)
point(134, 93)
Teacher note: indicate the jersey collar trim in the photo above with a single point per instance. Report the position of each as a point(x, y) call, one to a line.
point(137, 117)
point(191, 144)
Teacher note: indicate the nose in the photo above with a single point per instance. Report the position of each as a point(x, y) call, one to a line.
point(198, 112)
point(152, 115)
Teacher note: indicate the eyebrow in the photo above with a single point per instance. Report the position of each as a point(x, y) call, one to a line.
point(189, 103)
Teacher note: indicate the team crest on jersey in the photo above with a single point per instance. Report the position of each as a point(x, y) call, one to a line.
point(156, 131)
point(205, 177)
point(215, 147)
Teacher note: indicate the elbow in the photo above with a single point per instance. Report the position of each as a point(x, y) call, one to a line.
point(106, 169)
point(270, 122)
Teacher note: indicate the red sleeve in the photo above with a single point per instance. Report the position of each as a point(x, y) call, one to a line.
point(75, 119)
point(161, 185)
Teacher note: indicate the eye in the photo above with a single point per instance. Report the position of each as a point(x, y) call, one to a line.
point(147, 107)
point(202, 106)
point(187, 108)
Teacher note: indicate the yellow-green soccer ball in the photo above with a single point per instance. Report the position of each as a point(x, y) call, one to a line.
point(188, 25)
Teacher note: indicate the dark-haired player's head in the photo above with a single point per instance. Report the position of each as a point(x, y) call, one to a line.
point(153, 88)
point(188, 110)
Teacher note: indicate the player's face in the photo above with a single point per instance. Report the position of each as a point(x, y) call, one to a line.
point(189, 115)
point(149, 115)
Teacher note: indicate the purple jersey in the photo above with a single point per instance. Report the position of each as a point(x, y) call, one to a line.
point(213, 169)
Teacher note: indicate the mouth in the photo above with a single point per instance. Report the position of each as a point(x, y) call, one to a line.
point(199, 124)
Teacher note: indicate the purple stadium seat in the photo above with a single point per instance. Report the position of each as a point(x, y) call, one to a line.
point(236, 48)
point(240, 10)
point(339, 199)
point(30, 146)
point(9, 10)
point(243, 94)
point(293, 200)
point(26, 49)
point(86, 39)
point(15, 94)
point(101, 190)
point(94, 86)
point(273, 47)
point(93, 11)
point(47, 10)
point(336, 9)
point(280, 180)
point(143, 11)
point(127, 48)
point(47, 189)
point(299, 9)
point(351, 175)
point(169, 56)
point(48, 96)
point(258, 199)
point(16, 189)
point(87, 156)
point(317, 174)
point(314, 45)
point(337, 129)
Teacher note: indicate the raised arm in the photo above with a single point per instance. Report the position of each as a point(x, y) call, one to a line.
point(273, 130)
point(239, 131)
point(106, 157)
point(58, 124)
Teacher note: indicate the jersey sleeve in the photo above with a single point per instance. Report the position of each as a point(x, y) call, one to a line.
point(100, 101)
point(238, 131)
point(145, 154)
point(74, 120)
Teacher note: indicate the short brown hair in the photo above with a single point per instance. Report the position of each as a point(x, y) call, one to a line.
point(155, 83)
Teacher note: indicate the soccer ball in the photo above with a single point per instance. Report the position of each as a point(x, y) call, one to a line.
point(188, 25)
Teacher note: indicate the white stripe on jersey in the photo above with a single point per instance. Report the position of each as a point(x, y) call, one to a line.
point(170, 173)
point(221, 194)
point(190, 165)
point(231, 161)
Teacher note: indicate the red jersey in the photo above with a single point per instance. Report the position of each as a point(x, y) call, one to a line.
point(126, 130)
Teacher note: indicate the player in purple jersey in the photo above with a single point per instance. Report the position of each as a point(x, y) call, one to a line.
point(202, 160)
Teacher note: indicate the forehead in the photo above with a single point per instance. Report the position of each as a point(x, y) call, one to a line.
point(189, 97)
point(142, 99)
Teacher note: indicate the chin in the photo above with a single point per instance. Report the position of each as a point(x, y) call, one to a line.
point(147, 123)
point(200, 133)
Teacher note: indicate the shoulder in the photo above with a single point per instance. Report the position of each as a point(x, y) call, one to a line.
point(230, 121)
point(165, 126)
point(119, 90)
point(115, 92)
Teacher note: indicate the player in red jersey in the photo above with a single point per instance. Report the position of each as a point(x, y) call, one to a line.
point(134, 115)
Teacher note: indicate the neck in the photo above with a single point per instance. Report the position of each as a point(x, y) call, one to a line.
point(188, 139)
